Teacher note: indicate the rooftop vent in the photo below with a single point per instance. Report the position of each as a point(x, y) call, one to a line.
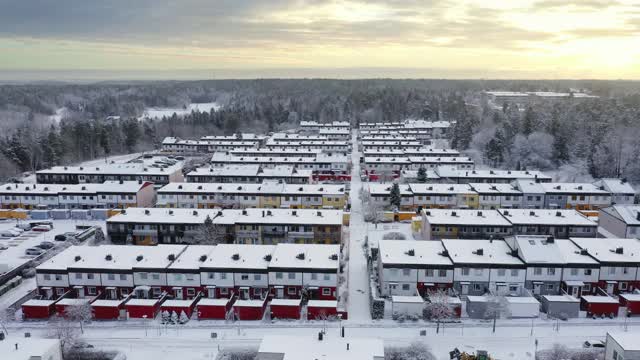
point(505, 212)
point(179, 187)
point(235, 257)
point(584, 252)
point(171, 257)
point(294, 213)
point(411, 252)
point(170, 212)
point(147, 212)
point(532, 213)
point(558, 213)
point(139, 258)
point(108, 257)
point(444, 253)
point(300, 256)
point(619, 250)
point(203, 258)
point(479, 252)
point(269, 213)
point(479, 213)
point(319, 213)
point(244, 212)
point(453, 213)
point(195, 213)
point(267, 257)
point(333, 257)
point(77, 258)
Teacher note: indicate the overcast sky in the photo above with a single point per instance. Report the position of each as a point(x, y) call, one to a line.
point(397, 38)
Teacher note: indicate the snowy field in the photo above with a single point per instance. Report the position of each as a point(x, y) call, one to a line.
point(158, 113)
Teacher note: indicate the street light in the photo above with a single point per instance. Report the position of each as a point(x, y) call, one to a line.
point(145, 324)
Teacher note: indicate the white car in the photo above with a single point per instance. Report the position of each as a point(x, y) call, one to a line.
point(593, 343)
point(34, 251)
point(10, 233)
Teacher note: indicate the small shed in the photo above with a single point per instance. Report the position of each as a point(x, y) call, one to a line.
point(39, 214)
point(100, 214)
point(632, 303)
point(213, 309)
point(38, 309)
point(522, 307)
point(318, 309)
point(139, 308)
point(285, 308)
point(59, 214)
point(179, 306)
point(456, 306)
point(80, 214)
point(107, 309)
point(476, 306)
point(600, 306)
point(560, 306)
point(62, 304)
point(407, 306)
point(249, 309)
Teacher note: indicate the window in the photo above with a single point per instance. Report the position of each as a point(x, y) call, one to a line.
point(90, 276)
point(224, 291)
point(406, 272)
point(177, 277)
point(327, 277)
point(291, 290)
point(477, 287)
point(58, 277)
point(502, 272)
point(314, 276)
point(278, 275)
point(623, 285)
point(612, 270)
point(78, 276)
point(191, 292)
point(550, 287)
point(244, 277)
point(615, 355)
point(406, 287)
point(123, 277)
point(47, 277)
point(574, 272)
point(91, 290)
point(586, 288)
point(625, 270)
point(223, 276)
point(428, 272)
point(111, 276)
point(157, 291)
point(513, 288)
point(190, 277)
point(291, 276)
point(211, 275)
point(442, 273)
point(257, 277)
point(537, 271)
point(326, 291)
point(478, 272)
point(465, 271)
point(587, 271)
point(143, 276)
point(515, 272)
point(551, 271)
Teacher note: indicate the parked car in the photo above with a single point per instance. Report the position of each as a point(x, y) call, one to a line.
point(60, 237)
point(34, 251)
point(593, 343)
point(2, 248)
point(24, 226)
point(9, 233)
point(41, 222)
point(46, 245)
point(41, 228)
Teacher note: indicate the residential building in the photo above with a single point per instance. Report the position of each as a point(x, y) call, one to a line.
point(621, 346)
point(581, 272)
point(464, 224)
point(497, 196)
point(622, 193)
point(543, 260)
point(557, 223)
point(250, 174)
point(621, 220)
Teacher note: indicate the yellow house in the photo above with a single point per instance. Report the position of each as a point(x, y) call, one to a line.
point(270, 201)
point(334, 201)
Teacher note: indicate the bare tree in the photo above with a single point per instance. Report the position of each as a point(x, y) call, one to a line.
point(497, 307)
point(99, 237)
point(438, 308)
point(62, 329)
point(80, 313)
point(210, 233)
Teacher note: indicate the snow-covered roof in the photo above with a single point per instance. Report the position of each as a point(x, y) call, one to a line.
point(192, 257)
point(323, 303)
point(267, 187)
point(108, 187)
point(465, 217)
point(537, 249)
point(239, 257)
point(222, 158)
point(627, 340)
point(425, 253)
point(528, 186)
point(107, 303)
point(212, 302)
point(151, 166)
point(306, 257)
point(493, 252)
point(72, 302)
point(599, 299)
point(251, 170)
point(630, 214)
point(611, 250)
point(385, 189)
point(310, 348)
point(286, 302)
point(446, 189)
point(572, 255)
point(407, 299)
point(142, 302)
point(560, 217)
point(497, 188)
point(616, 186)
point(561, 298)
point(521, 300)
point(177, 303)
point(23, 348)
point(447, 171)
point(630, 297)
point(38, 302)
point(572, 188)
point(163, 216)
point(248, 303)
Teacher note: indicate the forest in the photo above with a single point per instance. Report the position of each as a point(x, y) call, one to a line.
point(574, 140)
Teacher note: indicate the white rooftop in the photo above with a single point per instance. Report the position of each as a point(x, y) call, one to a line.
point(616, 186)
point(630, 214)
point(306, 256)
point(426, 253)
point(494, 252)
point(566, 217)
point(571, 253)
point(465, 217)
point(611, 250)
point(237, 256)
point(561, 298)
point(627, 340)
point(537, 249)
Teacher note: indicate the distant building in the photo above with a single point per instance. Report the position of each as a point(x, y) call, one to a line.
point(621, 220)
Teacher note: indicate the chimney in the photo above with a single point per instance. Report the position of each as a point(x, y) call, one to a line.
point(479, 213)
point(453, 213)
point(505, 213)
point(532, 213)
point(550, 240)
point(319, 213)
point(195, 213)
point(558, 213)
point(244, 212)
point(479, 252)
point(294, 213)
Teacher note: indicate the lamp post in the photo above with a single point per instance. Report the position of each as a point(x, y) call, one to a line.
point(145, 324)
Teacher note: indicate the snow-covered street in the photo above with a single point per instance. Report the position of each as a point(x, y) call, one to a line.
point(358, 302)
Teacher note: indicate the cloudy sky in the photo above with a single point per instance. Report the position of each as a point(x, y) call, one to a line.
point(407, 38)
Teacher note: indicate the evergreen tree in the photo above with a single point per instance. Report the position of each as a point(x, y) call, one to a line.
point(494, 150)
point(422, 175)
point(395, 198)
point(528, 123)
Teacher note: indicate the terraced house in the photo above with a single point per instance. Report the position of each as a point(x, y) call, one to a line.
point(464, 224)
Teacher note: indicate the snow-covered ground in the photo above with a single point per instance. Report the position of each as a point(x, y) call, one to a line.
point(158, 113)
point(60, 113)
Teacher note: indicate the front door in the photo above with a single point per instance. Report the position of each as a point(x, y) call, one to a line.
point(211, 293)
point(610, 287)
point(80, 292)
point(465, 289)
point(575, 291)
point(280, 293)
point(244, 294)
point(179, 294)
point(537, 289)
point(112, 294)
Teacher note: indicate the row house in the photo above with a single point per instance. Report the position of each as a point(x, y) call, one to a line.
point(181, 272)
point(558, 223)
point(204, 146)
point(157, 170)
point(406, 268)
point(423, 151)
point(256, 138)
point(386, 137)
point(149, 226)
point(482, 266)
point(335, 134)
point(321, 164)
point(544, 262)
point(327, 146)
point(276, 152)
point(464, 223)
point(239, 196)
point(497, 196)
point(297, 137)
point(250, 174)
point(581, 272)
point(314, 126)
point(621, 220)
point(108, 195)
point(304, 271)
point(619, 261)
point(443, 196)
point(622, 193)
point(110, 271)
point(393, 144)
point(432, 162)
point(449, 174)
point(392, 165)
point(579, 196)
point(380, 196)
